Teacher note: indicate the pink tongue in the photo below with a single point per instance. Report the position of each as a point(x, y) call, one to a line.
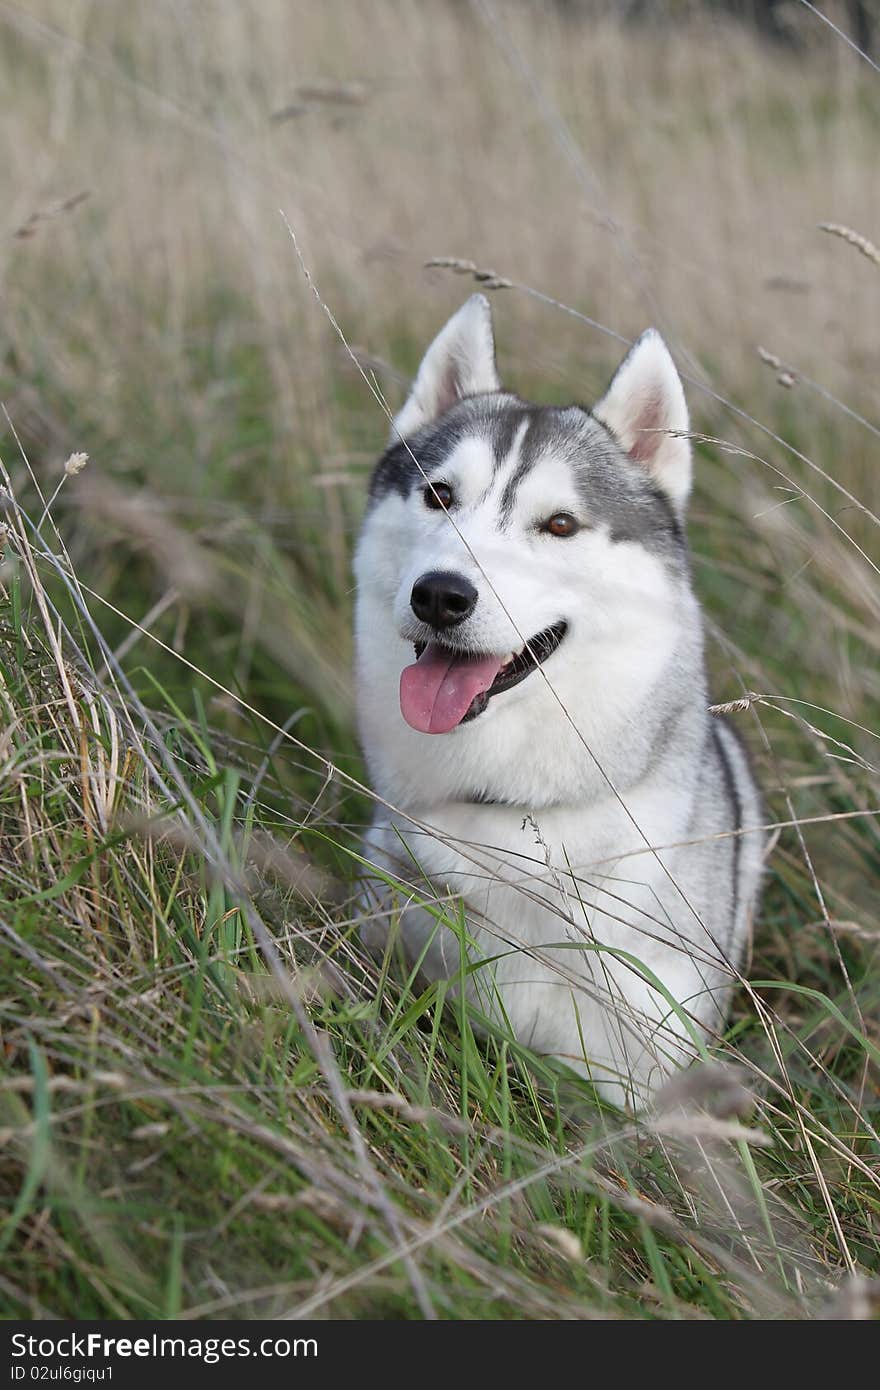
point(438, 690)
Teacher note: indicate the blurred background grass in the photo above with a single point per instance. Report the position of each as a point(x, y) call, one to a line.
point(154, 315)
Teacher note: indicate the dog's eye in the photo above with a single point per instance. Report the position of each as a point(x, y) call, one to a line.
point(562, 524)
point(438, 496)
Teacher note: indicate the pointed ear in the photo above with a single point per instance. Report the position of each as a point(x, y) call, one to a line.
point(645, 399)
point(459, 362)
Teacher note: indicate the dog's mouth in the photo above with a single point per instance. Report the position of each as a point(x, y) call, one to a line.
point(445, 688)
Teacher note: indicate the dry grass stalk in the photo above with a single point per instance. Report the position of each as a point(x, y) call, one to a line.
point(861, 243)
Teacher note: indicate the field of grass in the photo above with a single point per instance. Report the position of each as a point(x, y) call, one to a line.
point(212, 1104)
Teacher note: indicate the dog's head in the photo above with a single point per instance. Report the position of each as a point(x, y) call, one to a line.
point(503, 537)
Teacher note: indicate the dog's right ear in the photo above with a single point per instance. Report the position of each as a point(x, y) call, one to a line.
point(460, 362)
point(645, 408)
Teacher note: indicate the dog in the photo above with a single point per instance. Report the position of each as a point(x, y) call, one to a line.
point(561, 826)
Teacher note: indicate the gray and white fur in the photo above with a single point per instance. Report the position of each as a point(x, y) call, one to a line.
point(549, 763)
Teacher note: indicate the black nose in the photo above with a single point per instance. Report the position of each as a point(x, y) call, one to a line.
point(442, 599)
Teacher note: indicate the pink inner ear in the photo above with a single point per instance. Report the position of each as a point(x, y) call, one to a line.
point(647, 441)
point(449, 389)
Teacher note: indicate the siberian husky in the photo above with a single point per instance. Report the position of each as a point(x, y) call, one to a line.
point(560, 820)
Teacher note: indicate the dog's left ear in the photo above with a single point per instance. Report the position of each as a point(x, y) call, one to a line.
point(644, 402)
point(460, 362)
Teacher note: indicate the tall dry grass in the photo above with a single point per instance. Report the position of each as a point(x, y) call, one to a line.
point(674, 177)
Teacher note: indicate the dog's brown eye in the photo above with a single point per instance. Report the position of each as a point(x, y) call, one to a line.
point(438, 496)
point(562, 524)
